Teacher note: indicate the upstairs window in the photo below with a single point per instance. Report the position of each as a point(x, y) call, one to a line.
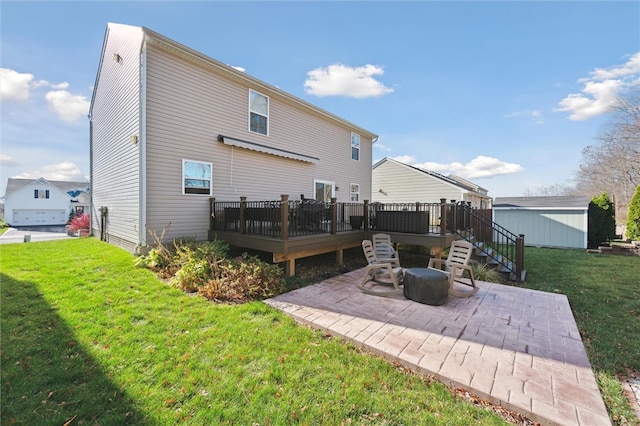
point(354, 192)
point(40, 193)
point(196, 177)
point(258, 113)
point(355, 146)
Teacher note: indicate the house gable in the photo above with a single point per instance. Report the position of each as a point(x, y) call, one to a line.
point(397, 182)
point(39, 201)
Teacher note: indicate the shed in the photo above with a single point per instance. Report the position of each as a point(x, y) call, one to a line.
point(545, 221)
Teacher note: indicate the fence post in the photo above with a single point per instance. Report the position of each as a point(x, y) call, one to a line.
point(284, 216)
point(212, 217)
point(365, 212)
point(333, 213)
point(519, 256)
point(243, 206)
point(443, 216)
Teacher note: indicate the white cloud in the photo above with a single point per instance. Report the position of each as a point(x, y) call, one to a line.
point(69, 107)
point(66, 171)
point(600, 90)
point(14, 86)
point(6, 161)
point(535, 115)
point(479, 167)
point(342, 80)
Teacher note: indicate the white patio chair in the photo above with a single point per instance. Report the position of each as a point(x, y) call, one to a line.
point(455, 266)
point(381, 277)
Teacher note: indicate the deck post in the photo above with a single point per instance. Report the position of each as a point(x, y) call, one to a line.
point(333, 213)
point(454, 216)
point(443, 216)
point(243, 206)
point(519, 256)
point(365, 212)
point(284, 217)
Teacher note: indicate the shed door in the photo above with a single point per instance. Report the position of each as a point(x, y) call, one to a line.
point(39, 217)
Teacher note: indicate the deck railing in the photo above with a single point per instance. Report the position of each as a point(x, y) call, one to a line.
point(294, 218)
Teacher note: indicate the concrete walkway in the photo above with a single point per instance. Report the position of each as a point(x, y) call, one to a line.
point(514, 347)
point(34, 233)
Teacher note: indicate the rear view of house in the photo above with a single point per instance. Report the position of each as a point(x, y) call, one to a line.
point(397, 182)
point(172, 128)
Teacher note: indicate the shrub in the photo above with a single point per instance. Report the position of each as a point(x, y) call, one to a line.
point(197, 263)
point(242, 279)
point(633, 217)
point(482, 272)
point(81, 221)
point(601, 221)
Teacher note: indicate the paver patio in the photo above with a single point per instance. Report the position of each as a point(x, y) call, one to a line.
point(515, 347)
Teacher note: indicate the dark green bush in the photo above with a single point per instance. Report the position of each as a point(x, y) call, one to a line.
point(633, 217)
point(601, 221)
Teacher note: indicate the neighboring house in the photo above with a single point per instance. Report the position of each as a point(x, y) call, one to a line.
point(545, 221)
point(395, 182)
point(31, 202)
point(171, 128)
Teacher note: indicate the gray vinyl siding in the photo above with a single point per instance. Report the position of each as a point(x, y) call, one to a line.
point(405, 185)
point(546, 228)
point(115, 111)
point(189, 105)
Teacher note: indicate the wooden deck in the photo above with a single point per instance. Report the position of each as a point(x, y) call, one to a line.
point(310, 245)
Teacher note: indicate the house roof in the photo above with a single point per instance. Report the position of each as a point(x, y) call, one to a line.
point(230, 72)
point(15, 184)
point(560, 202)
point(450, 179)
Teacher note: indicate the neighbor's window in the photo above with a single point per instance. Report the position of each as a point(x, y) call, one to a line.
point(354, 192)
point(258, 113)
point(355, 146)
point(196, 177)
point(40, 193)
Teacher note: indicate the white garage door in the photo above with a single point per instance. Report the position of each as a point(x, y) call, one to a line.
point(39, 217)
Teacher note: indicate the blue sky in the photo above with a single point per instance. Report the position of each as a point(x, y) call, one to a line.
point(505, 94)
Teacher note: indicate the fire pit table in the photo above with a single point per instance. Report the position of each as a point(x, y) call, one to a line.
point(428, 286)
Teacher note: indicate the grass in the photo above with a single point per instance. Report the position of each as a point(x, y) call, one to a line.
point(89, 339)
point(604, 294)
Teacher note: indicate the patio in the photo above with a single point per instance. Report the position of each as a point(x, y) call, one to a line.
point(514, 347)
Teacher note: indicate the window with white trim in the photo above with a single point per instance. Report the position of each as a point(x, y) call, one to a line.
point(196, 177)
point(354, 192)
point(324, 190)
point(355, 146)
point(258, 113)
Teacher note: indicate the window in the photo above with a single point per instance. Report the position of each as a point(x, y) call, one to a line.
point(40, 193)
point(196, 177)
point(354, 192)
point(258, 113)
point(324, 191)
point(355, 146)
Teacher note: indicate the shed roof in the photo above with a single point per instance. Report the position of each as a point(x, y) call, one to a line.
point(559, 202)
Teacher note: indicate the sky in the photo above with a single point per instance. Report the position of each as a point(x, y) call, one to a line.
point(505, 94)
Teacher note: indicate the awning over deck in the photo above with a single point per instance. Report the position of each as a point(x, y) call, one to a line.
point(254, 146)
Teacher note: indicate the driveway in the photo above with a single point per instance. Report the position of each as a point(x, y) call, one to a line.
point(34, 233)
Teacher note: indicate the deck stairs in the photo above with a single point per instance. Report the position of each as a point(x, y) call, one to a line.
point(494, 245)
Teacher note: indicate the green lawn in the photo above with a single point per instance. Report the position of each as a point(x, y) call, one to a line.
point(604, 294)
point(89, 339)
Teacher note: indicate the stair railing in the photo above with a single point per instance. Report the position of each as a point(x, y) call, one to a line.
point(496, 242)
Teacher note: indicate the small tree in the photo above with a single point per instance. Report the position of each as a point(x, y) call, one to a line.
point(601, 221)
point(633, 217)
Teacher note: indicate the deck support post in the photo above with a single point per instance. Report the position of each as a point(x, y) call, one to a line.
point(366, 214)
